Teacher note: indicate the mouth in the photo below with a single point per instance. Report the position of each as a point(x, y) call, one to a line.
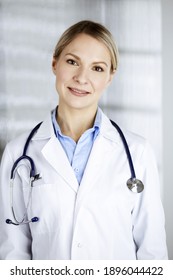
point(78, 92)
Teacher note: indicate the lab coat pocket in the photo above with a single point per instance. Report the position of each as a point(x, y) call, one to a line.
point(117, 195)
point(44, 204)
point(54, 205)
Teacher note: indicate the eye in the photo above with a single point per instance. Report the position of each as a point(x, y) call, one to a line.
point(98, 69)
point(72, 62)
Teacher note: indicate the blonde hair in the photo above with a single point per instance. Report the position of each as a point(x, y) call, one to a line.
point(95, 30)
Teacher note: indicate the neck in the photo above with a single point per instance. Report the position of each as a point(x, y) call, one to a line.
point(74, 123)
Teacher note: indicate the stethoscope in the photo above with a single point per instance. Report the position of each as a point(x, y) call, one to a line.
point(134, 184)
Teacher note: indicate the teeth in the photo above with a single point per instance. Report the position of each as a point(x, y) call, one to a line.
point(78, 91)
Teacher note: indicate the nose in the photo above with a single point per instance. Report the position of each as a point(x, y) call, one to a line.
point(81, 76)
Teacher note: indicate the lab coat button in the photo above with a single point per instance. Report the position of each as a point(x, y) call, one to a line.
point(79, 245)
point(76, 169)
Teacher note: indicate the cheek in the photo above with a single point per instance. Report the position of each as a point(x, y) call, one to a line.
point(62, 77)
point(101, 84)
point(62, 73)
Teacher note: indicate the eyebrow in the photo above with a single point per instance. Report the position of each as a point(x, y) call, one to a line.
point(96, 62)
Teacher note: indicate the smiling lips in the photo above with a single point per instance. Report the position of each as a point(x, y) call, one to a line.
point(78, 92)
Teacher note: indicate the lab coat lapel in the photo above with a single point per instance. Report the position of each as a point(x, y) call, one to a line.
point(55, 155)
point(107, 140)
point(95, 165)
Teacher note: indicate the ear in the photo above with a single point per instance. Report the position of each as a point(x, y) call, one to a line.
point(54, 64)
point(111, 77)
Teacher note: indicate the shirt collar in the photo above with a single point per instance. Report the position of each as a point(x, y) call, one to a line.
point(96, 126)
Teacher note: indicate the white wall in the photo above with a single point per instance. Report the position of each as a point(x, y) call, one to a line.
point(167, 41)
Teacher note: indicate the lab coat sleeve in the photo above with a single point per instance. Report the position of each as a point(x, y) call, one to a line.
point(148, 215)
point(15, 241)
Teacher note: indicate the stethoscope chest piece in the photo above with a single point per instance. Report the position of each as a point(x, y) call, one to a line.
point(135, 185)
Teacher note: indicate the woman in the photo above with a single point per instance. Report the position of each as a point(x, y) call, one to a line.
point(79, 203)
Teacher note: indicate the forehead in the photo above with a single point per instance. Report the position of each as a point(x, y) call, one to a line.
point(85, 45)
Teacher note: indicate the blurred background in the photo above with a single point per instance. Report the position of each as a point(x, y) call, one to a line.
point(139, 99)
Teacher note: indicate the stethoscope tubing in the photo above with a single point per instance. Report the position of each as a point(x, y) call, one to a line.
point(30, 137)
point(126, 147)
point(133, 184)
point(23, 157)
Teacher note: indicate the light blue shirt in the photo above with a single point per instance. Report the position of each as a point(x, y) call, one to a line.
point(78, 153)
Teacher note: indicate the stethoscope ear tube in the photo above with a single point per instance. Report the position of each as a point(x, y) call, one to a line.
point(8, 221)
point(33, 220)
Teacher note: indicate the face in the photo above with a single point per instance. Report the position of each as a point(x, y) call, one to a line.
point(82, 73)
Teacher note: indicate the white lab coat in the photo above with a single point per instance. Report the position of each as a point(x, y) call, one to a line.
point(100, 219)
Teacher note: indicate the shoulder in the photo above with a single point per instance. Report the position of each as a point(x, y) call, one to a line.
point(134, 138)
point(15, 146)
point(45, 130)
point(111, 132)
point(138, 145)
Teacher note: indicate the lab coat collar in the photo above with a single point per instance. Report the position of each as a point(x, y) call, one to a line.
point(46, 129)
point(55, 155)
point(107, 130)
